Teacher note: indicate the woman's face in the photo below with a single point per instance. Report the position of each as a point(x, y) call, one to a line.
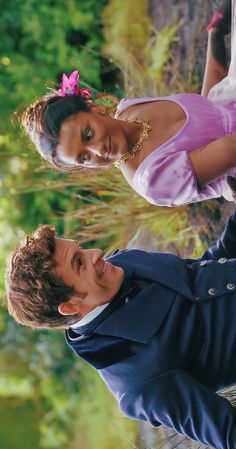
point(91, 140)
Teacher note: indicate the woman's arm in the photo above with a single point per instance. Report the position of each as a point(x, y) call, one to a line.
point(214, 160)
point(216, 61)
point(216, 69)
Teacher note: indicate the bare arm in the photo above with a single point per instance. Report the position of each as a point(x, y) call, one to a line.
point(216, 66)
point(214, 160)
point(216, 62)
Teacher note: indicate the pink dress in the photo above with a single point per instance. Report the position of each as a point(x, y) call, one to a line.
point(166, 176)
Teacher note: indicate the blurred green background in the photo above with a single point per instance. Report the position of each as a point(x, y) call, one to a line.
point(48, 398)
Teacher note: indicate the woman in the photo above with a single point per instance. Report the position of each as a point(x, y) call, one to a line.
point(172, 150)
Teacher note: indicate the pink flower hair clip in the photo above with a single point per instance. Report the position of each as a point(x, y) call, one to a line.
point(216, 16)
point(70, 86)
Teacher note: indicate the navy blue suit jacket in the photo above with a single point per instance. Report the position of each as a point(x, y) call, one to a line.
point(165, 353)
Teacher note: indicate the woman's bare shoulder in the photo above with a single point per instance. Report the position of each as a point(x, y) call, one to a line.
point(138, 110)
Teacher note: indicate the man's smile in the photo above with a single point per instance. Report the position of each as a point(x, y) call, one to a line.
point(105, 265)
point(93, 279)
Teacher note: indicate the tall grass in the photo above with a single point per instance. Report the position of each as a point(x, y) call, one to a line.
point(103, 208)
point(144, 55)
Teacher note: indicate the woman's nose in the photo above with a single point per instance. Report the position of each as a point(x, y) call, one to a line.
point(97, 149)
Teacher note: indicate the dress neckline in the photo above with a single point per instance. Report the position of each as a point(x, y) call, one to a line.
point(134, 101)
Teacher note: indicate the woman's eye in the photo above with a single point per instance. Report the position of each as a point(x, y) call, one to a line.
point(88, 134)
point(83, 158)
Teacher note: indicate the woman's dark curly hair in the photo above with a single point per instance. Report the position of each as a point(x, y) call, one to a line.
point(42, 120)
point(33, 293)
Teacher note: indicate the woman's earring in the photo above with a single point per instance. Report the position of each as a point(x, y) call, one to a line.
point(99, 109)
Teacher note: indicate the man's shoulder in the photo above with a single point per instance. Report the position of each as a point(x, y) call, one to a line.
point(130, 251)
point(131, 257)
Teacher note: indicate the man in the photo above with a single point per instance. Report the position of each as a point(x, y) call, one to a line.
point(160, 330)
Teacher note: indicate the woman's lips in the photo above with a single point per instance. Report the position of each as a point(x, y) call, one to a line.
point(110, 148)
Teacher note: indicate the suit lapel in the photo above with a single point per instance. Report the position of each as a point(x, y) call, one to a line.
point(141, 317)
point(166, 269)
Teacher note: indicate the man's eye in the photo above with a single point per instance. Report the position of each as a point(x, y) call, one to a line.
point(88, 134)
point(78, 263)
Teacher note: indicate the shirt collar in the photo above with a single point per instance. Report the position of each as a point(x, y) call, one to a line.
point(125, 286)
point(90, 316)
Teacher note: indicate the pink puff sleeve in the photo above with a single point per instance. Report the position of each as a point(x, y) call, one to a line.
point(169, 180)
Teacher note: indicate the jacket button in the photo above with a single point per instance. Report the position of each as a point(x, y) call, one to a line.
point(196, 298)
point(222, 260)
point(212, 291)
point(203, 262)
point(230, 286)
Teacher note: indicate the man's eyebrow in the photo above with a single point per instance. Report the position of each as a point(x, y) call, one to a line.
point(73, 260)
point(65, 254)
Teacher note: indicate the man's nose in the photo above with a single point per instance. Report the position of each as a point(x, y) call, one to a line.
point(94, 255)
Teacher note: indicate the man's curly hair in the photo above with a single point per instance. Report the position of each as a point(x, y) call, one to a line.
point(33, 292)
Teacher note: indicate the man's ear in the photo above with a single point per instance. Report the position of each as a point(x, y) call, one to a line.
point(71, 307)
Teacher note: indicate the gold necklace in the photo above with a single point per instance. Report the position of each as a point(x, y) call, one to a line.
point(139, 145)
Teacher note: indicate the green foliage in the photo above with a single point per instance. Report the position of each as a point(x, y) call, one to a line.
point(18, 424)
point(38, 365)
point(15, 386)
point(57, 38)
point(42, 39)
point(39, 41)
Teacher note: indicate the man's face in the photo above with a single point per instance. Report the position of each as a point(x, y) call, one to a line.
point(94, 280)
